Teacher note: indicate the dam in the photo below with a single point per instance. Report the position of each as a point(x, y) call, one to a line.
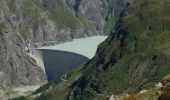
point(60, 59)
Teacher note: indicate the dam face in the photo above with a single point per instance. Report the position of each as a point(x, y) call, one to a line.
point(62, 58)
point(57, 63)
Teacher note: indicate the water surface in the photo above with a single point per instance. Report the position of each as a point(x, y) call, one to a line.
point(84, 46)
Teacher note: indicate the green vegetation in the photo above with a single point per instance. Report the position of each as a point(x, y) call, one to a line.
point(33, 15)
point(138, 61)
point(30, 9)
point(20, 98)
point(2, 26)
point(63, 17)
point(110, 19)
point(109, 25)
point(55, 89)
point(59, 89)
point(38, 4)
point(130, 65)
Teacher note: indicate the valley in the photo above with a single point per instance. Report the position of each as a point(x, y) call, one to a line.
point(85, 49)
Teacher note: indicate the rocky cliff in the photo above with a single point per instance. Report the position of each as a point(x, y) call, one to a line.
point(16, 67)
point(34, 23)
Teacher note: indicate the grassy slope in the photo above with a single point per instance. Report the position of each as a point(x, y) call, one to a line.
point(60, 90)
point(110, 19)
point(56, 12)
point(62, 16)
point(55, 89)
point(142, 60)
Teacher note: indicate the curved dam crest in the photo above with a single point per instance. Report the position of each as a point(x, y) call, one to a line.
point(62, 58)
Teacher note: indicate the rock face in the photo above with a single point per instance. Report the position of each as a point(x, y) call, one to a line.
point(35, 23)
point(16, 67)
point(93, 12)
point(166, 88)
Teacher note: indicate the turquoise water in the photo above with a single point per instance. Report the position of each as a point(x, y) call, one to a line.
point(84, 46)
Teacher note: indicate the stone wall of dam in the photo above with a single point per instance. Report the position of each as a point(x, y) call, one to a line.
point(62, 58)
point(56, 63)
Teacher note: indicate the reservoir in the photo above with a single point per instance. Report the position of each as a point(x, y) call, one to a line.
point(62, 58)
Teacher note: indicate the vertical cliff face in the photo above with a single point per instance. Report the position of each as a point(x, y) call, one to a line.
point(25, 23)
point(93, 14)
point(85, 17)
point(16, 67)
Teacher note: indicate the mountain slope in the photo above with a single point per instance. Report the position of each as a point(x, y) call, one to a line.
point(134, 57)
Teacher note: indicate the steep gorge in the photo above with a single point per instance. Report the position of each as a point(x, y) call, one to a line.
point(135, 56)
point(35, 23)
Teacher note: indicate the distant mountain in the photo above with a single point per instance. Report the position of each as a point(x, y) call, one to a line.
point(135, 57)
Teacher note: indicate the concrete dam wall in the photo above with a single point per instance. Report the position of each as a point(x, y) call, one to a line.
point(62, 58)
point(57, 63)
point(60, 62)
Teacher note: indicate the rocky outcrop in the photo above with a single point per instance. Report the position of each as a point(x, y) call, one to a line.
point(166, 88)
